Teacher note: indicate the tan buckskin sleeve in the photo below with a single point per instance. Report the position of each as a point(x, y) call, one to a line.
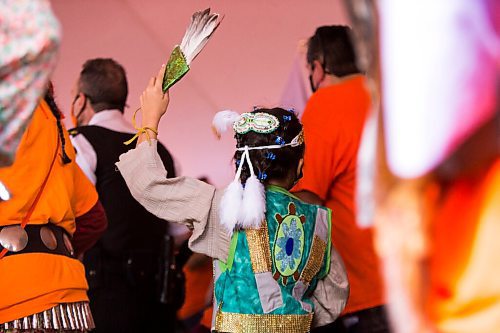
point(180, 200)
point(331, 294)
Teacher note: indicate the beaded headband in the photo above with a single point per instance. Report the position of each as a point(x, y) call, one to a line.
point(259, 122)
point(245, 206)
point(296, 141)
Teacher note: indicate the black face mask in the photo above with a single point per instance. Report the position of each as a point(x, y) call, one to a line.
point(311, 83)
point(76, 116)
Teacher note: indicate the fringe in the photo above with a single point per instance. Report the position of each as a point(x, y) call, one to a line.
point(66, 317)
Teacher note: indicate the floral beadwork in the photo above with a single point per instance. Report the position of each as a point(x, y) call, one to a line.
point(289, 244)
point(259, 122)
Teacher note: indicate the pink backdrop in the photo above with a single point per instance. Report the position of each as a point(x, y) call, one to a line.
point(251, 60)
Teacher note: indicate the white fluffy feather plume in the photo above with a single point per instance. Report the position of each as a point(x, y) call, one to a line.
point(230, 205)
point(223, 120)
point(202, 26)
point(253, 208)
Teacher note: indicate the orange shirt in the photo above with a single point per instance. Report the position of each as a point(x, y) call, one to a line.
point(206, 319)
point(34, 282)
point(196, 289)
point(464, 293)
point(333, 122)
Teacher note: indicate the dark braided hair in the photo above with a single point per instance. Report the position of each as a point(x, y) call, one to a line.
point(272, 163)
point(49, 98)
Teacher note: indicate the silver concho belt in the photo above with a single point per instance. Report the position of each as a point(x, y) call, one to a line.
point(13, 238)
point(45, 238)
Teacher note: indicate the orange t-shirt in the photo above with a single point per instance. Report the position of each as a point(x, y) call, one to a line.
point(34, 282)
point(196, 289)
point(206, 319)
point(333, 122)
point(464, 293)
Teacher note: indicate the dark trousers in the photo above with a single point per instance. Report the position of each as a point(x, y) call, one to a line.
point(121, 309)
point(372, 320)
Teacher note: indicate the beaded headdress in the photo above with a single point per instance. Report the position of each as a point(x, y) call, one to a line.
point(241, 205)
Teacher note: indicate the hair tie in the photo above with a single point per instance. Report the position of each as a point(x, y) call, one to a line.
point(262, 175)
point(270, 156)
point(279, 140)
point(287, 118)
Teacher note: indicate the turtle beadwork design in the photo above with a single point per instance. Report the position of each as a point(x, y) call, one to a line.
point(289, 244)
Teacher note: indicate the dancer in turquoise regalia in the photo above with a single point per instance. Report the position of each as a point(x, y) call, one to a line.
point(275, 268)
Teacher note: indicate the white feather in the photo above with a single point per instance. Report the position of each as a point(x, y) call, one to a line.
point(223, 120)
point(253, 209)
point(230, 205)
point(201, 28)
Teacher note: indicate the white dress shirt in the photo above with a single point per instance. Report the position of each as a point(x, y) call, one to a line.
point(86, 157)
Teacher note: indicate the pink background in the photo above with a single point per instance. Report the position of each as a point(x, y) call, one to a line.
point(253, 59)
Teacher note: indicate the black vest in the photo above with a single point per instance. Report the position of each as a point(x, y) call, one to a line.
point(133, 238)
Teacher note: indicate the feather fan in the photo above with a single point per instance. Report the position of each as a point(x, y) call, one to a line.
point(202, 26)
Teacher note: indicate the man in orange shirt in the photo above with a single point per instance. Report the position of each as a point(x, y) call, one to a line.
point(333, 122)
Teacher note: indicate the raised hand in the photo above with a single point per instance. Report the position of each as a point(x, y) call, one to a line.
point(154, 102)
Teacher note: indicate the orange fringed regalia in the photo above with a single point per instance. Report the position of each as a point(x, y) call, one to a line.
point(31, 283)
